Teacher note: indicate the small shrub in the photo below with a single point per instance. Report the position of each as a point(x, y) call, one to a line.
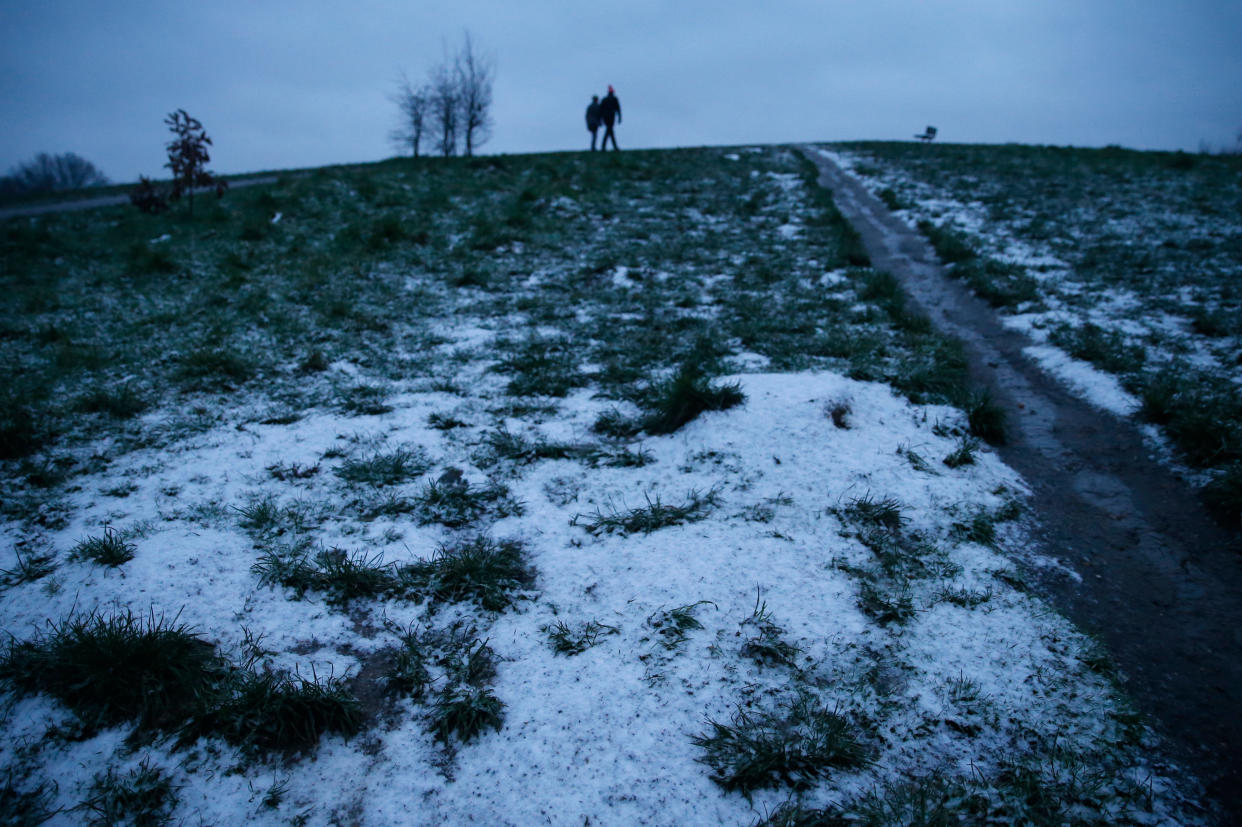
point(147, 197)
point(143, 796)
point(793, 747)
point(688, 394)
point(568, 641)
point(109, 550)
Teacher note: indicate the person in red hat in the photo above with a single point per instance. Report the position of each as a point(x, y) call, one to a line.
point(610, 111)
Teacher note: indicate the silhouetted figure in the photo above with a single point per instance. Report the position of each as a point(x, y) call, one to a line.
point(592, 117)
point(609, 111)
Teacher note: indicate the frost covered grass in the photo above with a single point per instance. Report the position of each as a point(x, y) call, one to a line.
point(518, 489)
point(1126, 261)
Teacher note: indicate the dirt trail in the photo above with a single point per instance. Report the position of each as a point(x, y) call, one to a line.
point(1161, 583)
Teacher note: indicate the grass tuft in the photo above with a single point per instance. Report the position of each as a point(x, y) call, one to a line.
point(385, 468)
point(485, 571)
point(986, 417)
point(465, 711)
point(1223, 496)
point(567, 640)
point(963, 454)
point(765, 646)
point(688, 394)
point(108, 670)
point(651, 517)
point(274, 712)
point(456, 503)
point(793, 746)
point(143, 796)
point(29, 568)
point(108, 550)
point(674, 625)
point(867, 511)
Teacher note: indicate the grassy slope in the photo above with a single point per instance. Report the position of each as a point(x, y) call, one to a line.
point(1127, 260)
point(496, 300)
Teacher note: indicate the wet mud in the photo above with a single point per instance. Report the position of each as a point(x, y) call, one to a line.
point(1161, 583)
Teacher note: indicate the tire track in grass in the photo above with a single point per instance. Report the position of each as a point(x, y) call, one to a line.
point(1149, 572)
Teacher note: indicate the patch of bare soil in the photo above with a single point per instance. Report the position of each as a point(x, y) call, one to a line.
point(1160, 584)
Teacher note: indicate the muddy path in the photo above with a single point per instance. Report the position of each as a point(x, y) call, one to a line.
point(1160, 583)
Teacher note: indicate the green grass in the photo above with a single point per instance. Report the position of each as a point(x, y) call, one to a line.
point(653, 516)
point(459, 504)
point(110, 549)
point(764, 643)
point(273, 712)
point(791, 745)
point(674, 625)
point(30, 567)
point(386, 467)
point(685, 396)
point(574, 640)
point(110, 670)
point(464, 712)
point(488, 572)
point(145, 795)
point(1172, 259)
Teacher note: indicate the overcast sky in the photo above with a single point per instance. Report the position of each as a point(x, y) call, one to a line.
point(294, 83)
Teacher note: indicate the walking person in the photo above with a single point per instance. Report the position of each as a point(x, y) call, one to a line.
point(609, 111)
point(592, 118)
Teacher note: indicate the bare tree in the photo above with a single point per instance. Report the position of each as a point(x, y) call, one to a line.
point(474, 73)
point(414, 106)
point(188, 157)
point(48, 173)
point(445, 103)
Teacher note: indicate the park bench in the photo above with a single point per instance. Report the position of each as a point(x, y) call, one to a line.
point(929, 135)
